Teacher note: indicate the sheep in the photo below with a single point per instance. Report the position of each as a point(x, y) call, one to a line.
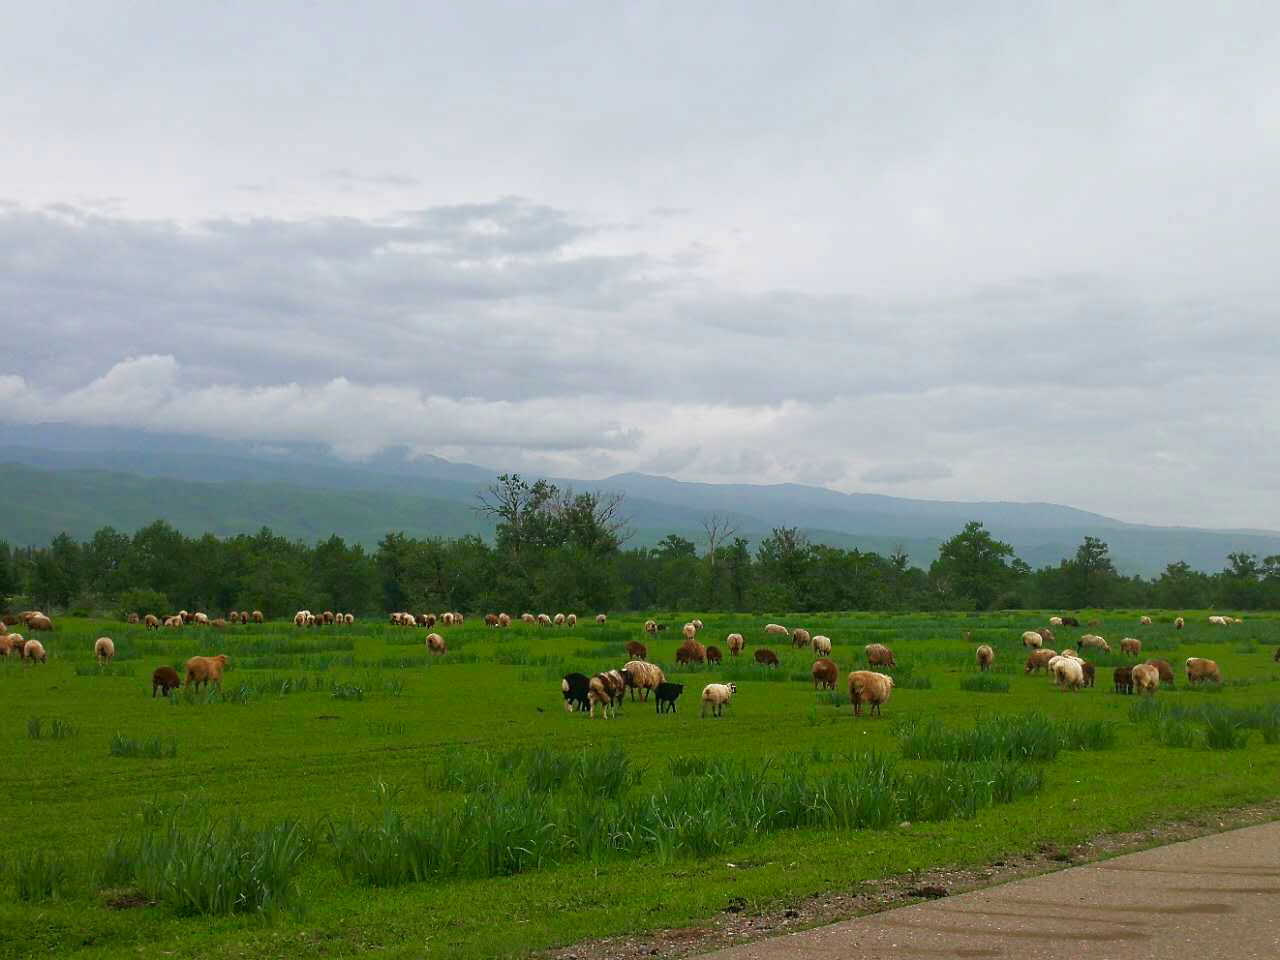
point(666, 696)
point(651, 626)
point(716, 695)
point(643, 676)
point(1145, 678)
point(151, 621)
point(1095, 641)
point(1038, 660)
point(1070, 622)
point(776, 628)
point(202, 619)
point(326, 618)
point(575, 687)
point(985, 657)
point(606, 689)
point(544, 620)
point(104, 649)
point(822, 645)
point(1131, 646)
point(766, 657)
point(735, 643)
point(800, 638)
point(257, 616)
point(436, 645)
point(600, 619)
point(300, 618)
point(825, 674)
point(636, 650)
point(491, 620)
point(559, 619)
point(1200, 670)
point(691, 651)
point(34, 651)
point(173, 623)
point(1178, 623)
point(874, 688)
point(164, 679)
point(1032, 639)
point(1068, 673)
point(1055, 621)
point(186, 617)
point(1046, 634)
point(203, 670)
point(218, 624)
point(878, 655)
point(1090, 671)
point(349, 619)
point(1218, 620)
point(1095, 622)
point(689, 631)
point(458, 619)
point(504, 620)
point(11, 644)
point(571, 620)
point(396, 619)
point(132, 618)
point(39, 621)
point(1071, 654)
point(1144, 621)
point(1123, 679)
point(1163, 669)
point(697, 624)
point(528, 618)
point(446, 619)
point(714, 655)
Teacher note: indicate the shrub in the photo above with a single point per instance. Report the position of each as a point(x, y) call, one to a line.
point(153, 748)
point(142, 601)
point(1223, 732)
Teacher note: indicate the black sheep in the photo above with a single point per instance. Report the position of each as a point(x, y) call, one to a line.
point(668, 693)
point(575, 687)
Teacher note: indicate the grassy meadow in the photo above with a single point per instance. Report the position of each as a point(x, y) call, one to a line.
point(344, 792)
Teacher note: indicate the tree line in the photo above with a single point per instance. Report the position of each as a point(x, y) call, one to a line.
point(556, 550)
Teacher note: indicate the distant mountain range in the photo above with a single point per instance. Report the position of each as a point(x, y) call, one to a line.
point(56, 477)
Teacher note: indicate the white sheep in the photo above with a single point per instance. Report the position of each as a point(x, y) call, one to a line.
point(1144, 621)
point(1068, 672)
point(1093, 640)
point(1055, 621)
point(436, 644)
point(1146, 678)
point(571, 620)
point(104, 649)
point(822, 645)
point(1032, 639)
point(985, 656)
point(735, 643)
point(717, 695)
point(690, 631)
point(601, 618)
point(776, 628)
point(697, 624)
point(1178, 623)
point(559, 619)
point(874, 688)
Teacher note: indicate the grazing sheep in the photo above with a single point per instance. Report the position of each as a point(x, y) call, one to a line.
point(1067, 673)
point(766, 657)
point(1070, 622)
point(300, 618)
point(151, 621)
point(575, 687)
point(349, 619)
point(1145, 678)
point(458, 619)
point(800, 638)
point(1095, 641)
point(544, 620)
point(1032, 639)
point(717, 695)
point(825, 674)
point(436, 645)
point(205, 670)
point(185, 615)
point(1046, 634)
point(132, 618)
point(1055, 621)
point(1178, 623)
point(559, 620)
point(714, 655)
point(735, 643)
point(33, 650)
point(776, 628)
point(1123, 678)
point(1163, 670)
point(326, 618)
point(689, 631)
point(643, 676)
point(38, 621)
point(636, 650)
point(1144, 621)
point(11, 644)
point(1219, 620)
point(691, 651)
point(878, 655)
point(822, 645)
point(571, 620)
point(164, 679)
point(219, 624)
point(601, 618)
point(1038, 660)
point(504, 620)
point(447, 619)
point(606, 689)
point(666, 694)
point(1071, 653)
point(1131, 646)
point(985, 657)
point(1200, 670)
point(491, 620)
point(429, 621)
point(173, 623)
point(874, 688)
point(202, 619)
point(528, 618)
point(104, 649)
point(651, 626)
point(1090, 671)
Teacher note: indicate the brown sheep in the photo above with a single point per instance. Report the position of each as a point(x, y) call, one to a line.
point(1089, 672)
point(326, 617)
point(735, 643)
point(104, 649)
point(544, 620)
point(825, 674)
point(985, 657)
point(607, 690)
point(151, 621)
point(1038, 660)
point(1200, 670)
point(219, 623)
point(244, 616)
point(1145, 678)
point(205, 670)
point(766, 657)
point(490, 619)
point(691, 651)
point(714, 655)
point(800, 638)
point(1123, 679)
point(874, 688)
point(642, 676)
point(39, 622)
point(164, 679)
point(1163, 670)
point(33, 650)
point(1094, 623)
point(878, 655)
point(1045, 634)
point(1131, 646)
point(436, 645)
point(349, 619)
point(636, 650)
point(11, 644)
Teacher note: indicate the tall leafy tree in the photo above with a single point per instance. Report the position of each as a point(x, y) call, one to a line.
point(974, 565)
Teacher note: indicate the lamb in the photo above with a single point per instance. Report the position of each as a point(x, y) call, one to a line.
point(436, 645)
point(636, 650)
point(558, 620)
point(575, 687)
point(33, 650)
point(1093, 640)
point(1144, 621)
point(104, 649)
point(1123, 679)
point(1038, 660)
point(689, 631)
point(1068, 673)
point(776, 628)
point(735, 643)
point(825, 674)
point(1032, 639)
point(766, 657)
point(1178, 623)
point(691, 651)
point(1163, 670)
point(985, 657)
point(601, 618)
point(1200, 670)
point(606, 689)
point(151, 621)
point(666, 695)
point(643, 676)
point(874, 688)
point(1131, 646)
point(571, 620)
point(714, 655)
point(878, 655)
point(800, 638)
point(164, 679)
point(204, 670)
point(1055, 621)
point(716, 695)
point(1145, 678)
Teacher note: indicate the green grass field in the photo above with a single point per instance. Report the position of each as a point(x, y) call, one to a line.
point(373, 800)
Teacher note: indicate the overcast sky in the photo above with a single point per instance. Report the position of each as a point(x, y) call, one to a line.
point(959, 251)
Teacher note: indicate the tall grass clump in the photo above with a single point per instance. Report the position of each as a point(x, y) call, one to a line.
point(1087, 734)
point(1223, 732)
point(153, 748)
point(985, 683)
point(35, 876)
point(1173, 733)
point(1029, 738)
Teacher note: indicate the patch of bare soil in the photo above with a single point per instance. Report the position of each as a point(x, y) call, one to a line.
point(733, 925)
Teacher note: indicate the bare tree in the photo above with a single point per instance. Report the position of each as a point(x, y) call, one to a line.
point(718, 531)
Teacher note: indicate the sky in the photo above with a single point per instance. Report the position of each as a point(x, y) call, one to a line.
point(1015, 251)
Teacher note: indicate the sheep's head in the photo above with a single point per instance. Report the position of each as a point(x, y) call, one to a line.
point(733, 688)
